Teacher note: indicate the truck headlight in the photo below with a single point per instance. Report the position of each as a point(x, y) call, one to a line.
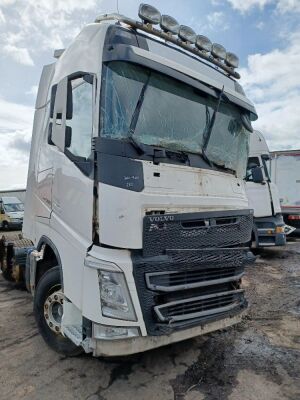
point(115, 297)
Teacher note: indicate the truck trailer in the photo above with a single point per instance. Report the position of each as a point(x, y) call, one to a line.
point(136, 209)
point(285, 172)
point(268, 227)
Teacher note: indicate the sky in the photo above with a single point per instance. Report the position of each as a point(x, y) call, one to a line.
point(265, 34)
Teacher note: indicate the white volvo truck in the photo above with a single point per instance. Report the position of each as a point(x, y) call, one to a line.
point(285, 172)
point(136, 204)
point(268, 227)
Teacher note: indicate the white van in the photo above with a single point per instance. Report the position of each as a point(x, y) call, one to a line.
point(11, 212)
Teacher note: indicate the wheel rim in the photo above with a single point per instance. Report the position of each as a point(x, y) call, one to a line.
point(53, 309)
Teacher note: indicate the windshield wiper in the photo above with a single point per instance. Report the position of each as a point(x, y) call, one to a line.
point(209, 127)
point(136, 144)
point(135, 117)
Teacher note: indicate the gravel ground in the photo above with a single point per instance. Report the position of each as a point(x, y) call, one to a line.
point(256, 360)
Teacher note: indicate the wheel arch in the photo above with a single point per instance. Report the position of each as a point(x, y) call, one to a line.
point(51, 258)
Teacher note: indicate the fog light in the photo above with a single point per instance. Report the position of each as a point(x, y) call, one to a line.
point(203, 43)
point(187, 34)
point(218, 51)
point(149, 14)
point(169, 24)
point(107, 332)
point(279, 229)
point(232, 60)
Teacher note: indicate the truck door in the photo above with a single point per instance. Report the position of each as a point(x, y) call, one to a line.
point(258, 193)
point(72, 193)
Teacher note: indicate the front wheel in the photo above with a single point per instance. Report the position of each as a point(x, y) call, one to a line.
point(48, 311)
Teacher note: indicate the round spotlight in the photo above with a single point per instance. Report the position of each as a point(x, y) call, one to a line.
point(169, 24)
point(187, 34)
point(203, 43)
point(232, 60)
point(149, 14)
point(218, 51)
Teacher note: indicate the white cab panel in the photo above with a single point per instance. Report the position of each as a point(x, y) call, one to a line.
point(177, 189)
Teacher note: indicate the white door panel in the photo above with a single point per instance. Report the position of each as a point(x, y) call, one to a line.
point(259, 199)
point(72, 196)
point(275, 198)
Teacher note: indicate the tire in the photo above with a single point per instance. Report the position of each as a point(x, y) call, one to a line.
point(47, 286)
point(7, 275)
point(5, 225)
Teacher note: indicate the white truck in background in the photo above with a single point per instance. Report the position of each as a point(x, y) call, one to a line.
point(285, 172)
point(11, 212)
point(268, 227)
point(135, 205)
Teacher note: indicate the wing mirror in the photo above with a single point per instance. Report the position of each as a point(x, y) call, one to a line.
point(245, 119)
point(257, 175)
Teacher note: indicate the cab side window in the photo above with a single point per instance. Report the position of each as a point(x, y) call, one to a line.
point(252, 162)
point(81, 122)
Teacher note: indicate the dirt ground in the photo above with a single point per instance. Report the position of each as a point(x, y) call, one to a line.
point(256, 360)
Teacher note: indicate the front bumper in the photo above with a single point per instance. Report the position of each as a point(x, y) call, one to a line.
point(123, 347)
point(15, 223)
point(184, 282)
point(268, 231)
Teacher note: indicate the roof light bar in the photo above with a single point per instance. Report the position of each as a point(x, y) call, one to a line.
point(212, 53)
point(187, 34)
point(169, 24)
point(203, 43)
point(149, 14)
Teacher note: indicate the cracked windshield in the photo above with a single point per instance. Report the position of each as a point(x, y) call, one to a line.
point(161, 111)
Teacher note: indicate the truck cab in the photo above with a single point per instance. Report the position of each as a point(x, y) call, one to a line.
point(269, 227)
point(135, 201)
point(11, 212)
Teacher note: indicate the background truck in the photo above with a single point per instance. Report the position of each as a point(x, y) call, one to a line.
point(285, 172)
point(11, 213)
point(269, 227)
point(135, 204)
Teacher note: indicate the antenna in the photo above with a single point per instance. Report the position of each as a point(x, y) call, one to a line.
point(118, 6)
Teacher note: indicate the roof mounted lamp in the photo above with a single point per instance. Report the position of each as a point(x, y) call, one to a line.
point(218, 51)
point(169, 25)
point(232, 60)
point(149, 14)
point(203, 43)
point(187, 34)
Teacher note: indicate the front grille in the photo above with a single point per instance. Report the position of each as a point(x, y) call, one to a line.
point(195, 230)
point(200, 306)
point(172, 280)
point(167, 286)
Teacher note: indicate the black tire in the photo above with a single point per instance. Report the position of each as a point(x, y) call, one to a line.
point(7, 275)
point(47, 285)
point(5, 225)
